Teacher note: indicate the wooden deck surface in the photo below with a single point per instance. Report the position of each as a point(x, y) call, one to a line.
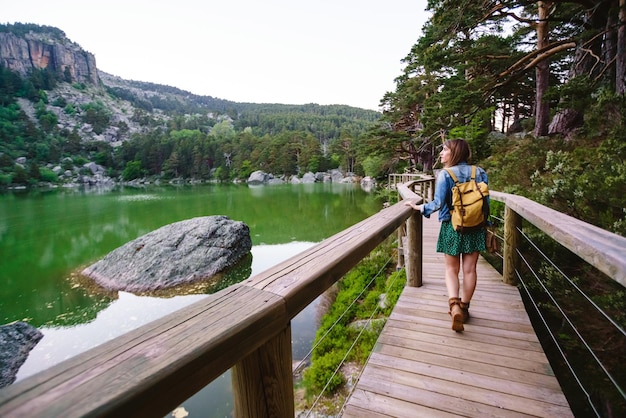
point(421, 368)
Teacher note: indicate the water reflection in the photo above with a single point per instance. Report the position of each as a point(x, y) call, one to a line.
point(126, 311)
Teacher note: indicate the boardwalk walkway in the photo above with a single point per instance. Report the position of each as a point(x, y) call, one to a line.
point(421, 368)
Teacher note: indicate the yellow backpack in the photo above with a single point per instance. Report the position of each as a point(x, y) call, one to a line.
point(470, 209)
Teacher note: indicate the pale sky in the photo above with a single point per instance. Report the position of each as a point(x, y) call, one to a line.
point(259, 51)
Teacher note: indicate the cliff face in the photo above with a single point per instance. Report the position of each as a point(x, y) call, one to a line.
point(22, 54)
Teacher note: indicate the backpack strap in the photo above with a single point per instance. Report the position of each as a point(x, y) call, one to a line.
point(456, 181)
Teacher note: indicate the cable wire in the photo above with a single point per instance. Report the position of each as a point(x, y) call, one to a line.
point(342, 362)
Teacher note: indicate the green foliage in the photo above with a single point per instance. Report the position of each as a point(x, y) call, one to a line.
point(96, 114)
point(20, 176)
point(132, 171)
point(358, 296)
point(22, 29)
point(373, 166)
point(48, 175)
point(69, 109)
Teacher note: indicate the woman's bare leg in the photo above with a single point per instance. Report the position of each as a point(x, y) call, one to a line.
point(469, 276)
point(453, 266)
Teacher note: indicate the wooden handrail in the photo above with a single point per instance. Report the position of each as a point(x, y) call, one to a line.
point(602, 249)
point(151, 370)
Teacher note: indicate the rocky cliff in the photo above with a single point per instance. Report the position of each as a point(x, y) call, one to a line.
point(41, 51)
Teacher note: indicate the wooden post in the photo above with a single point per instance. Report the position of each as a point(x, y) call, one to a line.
point(263, 381)
point(431, 190)
point(414, 250)
point(401, 238)
point(400, 264)
point(512, 224)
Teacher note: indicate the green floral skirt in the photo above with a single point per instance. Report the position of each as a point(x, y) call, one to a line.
point(453, 243)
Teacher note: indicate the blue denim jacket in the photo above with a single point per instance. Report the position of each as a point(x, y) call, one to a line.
point(443, 189)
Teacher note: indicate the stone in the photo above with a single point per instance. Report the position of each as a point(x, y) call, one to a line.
point(368, 183)
point(336, 176)
point(258, 177)
point(179, 253)
point(308, 178)
point(16, 342)
point(37, 50)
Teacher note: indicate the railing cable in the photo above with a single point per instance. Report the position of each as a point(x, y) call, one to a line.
point(341, 363)
point(549, 331)
point(370, 354)
point(571, 282)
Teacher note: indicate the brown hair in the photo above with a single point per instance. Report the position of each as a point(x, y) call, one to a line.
point(459, 151)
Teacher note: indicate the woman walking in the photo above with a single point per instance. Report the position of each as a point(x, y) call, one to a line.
point(460, 250)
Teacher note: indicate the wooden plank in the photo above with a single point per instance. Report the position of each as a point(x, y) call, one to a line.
point(496, 367)
point(381, 405)
point(485, 400)
point(152, 369)
point(503, 349)
point(437, 402)
point(459, 351)
point(530, 344)
point(531, 391)
point(477, 324)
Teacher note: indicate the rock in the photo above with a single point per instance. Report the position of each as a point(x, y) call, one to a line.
point(16, 341)
point(39, 51)
point(336, 176)
point(308, 178)
point(94, 168)
point(565, 122)
point(275, 181)
point(179, 253)
point(258, 177)
point(368, 183)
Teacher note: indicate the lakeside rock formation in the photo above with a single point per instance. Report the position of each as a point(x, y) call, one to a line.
point(175, 254)
point(35, 50)
point(16, 342)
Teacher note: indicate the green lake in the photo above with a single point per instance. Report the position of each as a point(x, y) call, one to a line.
point(46, 237)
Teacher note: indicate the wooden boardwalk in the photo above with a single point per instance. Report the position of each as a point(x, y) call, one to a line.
point(421, 368)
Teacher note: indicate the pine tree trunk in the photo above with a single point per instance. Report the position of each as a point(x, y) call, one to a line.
point(620, 56)
point(542, 71)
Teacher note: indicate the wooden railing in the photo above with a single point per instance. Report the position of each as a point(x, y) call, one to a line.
point(408, 179)
point(602, 249)
point(151, 370)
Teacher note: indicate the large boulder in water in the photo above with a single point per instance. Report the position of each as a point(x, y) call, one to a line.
point(176, 254)
point(16, 341)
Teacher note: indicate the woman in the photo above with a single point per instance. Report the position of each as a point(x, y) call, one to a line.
point(460, 249)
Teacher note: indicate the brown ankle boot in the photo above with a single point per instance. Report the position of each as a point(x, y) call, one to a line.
point(456, 313)
point(465, 308)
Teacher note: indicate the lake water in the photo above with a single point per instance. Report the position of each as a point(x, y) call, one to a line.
point(46, 237)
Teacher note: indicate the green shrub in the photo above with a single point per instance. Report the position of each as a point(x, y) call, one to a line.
point(132, 171)
point(357, 299)
point(5, 179)
point(48, 175)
